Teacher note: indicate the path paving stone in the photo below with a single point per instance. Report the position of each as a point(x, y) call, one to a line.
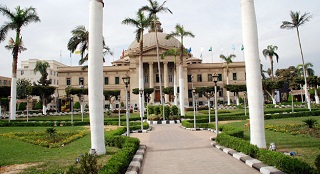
point(172, 150)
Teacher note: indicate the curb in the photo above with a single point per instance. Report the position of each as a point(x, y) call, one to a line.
point(141, 131)
point(252, 162)
point(165, 122)
point(199, 129)
point(136, 162)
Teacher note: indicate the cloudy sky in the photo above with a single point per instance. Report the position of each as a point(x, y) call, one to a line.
point(215, 23)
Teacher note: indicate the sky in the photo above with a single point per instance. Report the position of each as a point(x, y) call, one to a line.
point(215, 23)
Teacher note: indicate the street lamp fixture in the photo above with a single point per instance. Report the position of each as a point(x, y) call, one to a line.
point(126, 81)
point(141, 108)
point(215, 80)
point(194, 107)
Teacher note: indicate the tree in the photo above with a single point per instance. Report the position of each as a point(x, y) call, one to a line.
point(41, 67)
point(45, 94)
point(181, 32)
point(141, 22)
point(253, 73)
point(236, 89)
point(270, 52)
point(295, 23)
point(314, 81)
point(153, 10)
point(228, 60)
point(17, 19)
point(111, 95)
point(80, 40)
point(308, 67)
point(269, 86)
point(23, 88)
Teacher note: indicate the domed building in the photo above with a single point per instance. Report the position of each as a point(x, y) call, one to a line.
point(128, 64)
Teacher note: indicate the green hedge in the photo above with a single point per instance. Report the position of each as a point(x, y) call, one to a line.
point(120, 161)
point(280, 161)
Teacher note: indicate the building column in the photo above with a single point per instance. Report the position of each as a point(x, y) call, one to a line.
point(151, 82)
point(166, 79)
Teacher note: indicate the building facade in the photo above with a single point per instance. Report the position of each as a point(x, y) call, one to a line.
point(5, 81)
point(128, 64)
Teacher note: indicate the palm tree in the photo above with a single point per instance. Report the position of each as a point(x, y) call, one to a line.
point(180, 32)
point(308, 67)
point(270, 52)
point(17, 19)
point(80, 40)
point(228, 60)
point(141, 22)
point(295, 23)
point(153, 9)
point(41, 67)
point(253, 75)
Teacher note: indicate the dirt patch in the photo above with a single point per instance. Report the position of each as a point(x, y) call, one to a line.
point(17, 168)
point(232, 121)
point(106, 128)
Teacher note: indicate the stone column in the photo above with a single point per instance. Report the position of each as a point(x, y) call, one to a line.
point(151, 82)
point(166, 79)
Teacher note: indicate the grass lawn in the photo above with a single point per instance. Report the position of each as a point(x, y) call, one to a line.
point(305, 146)
point(51, 160)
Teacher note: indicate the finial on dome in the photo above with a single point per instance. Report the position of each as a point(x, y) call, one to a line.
point(158, 25)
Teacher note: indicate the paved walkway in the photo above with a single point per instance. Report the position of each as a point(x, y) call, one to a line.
point(173, 150)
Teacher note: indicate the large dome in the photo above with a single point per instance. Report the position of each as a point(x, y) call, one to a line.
point(149, 40)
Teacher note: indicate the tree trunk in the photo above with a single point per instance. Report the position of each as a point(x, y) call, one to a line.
point(273, 98)
point(316, 95)
point(253, 75)
point(306, 92)
point(237, 98)
point(95, 76)
point(228, 92)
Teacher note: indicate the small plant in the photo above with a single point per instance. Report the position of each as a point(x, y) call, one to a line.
point(38, 105)
point(88, 164)
point(76, 105)
point(310, 122)
point(51, 131)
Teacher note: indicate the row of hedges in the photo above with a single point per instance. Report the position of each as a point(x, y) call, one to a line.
point(229, 138)
point(120, 161)
point(168, 110)
point(190, 124)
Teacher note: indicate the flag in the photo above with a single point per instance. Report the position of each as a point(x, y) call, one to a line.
point(70, 53)
point(210, 49)
point(242, 48)
point(189, 50)
point(201, 50)
point(77, 52)
point(122, 53)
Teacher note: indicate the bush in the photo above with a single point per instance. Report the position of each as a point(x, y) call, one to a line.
point(157, 109)
point(88, 164)
point(76, 105)
point(167, 112)
point(174, 110)
point(317, 163)
point(151, 109)
point(22, 106)
point(310, 122)
point(39, 105)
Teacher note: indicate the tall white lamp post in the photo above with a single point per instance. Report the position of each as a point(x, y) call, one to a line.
point(141, 109)
point(119, 109)
point(245, 105)
point(194, 107)
point(71, 105)
point(126, 81)
point(81, 98)
point(215, 80)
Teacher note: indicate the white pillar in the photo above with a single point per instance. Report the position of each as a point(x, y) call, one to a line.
point(253, 75)
point(166, 79)
point(95, 76)
point(175, 85)
point(13, 100)
point(151, 82)
point(181, 90)
point(141, 86)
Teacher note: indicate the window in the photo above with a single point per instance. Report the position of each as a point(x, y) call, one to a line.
point(234, 75)
point(209, 77)
point(221, 93)
point(170, 78)
point(157, 78)
point(106, 81)
point(54, 81)
point(200, 94)
point(189, 78)
point(50, 72)
point(220, 77)
point(170, 70)
point(199, 78)
point(22, 72)
point(68, 81)
point(189, 93)
point(146, 79)
point(57, 82)
point(81, 81)
point(116, 80)
point(26, 67)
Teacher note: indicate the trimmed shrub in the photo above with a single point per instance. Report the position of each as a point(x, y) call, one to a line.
point(151, 109)
point(174, 110)
point(157, 110)
point(38, 105)
point(76, 105)
point(22, 106)
point(167, 112)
